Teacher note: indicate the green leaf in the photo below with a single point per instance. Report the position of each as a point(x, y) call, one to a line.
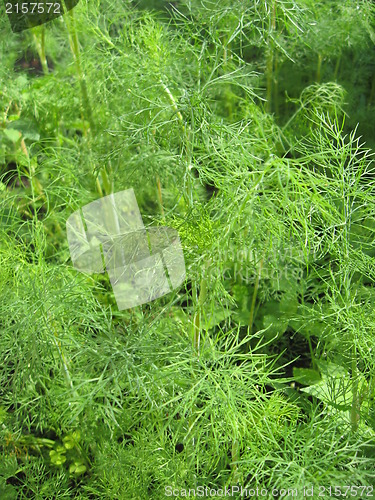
point(3, 412)
point(21, 81)
point(288, 304)
point(306, 376)
point(215, 317)
point(334, 388)
point(71, 440)
point(12, 134)
point(77, 468)
point(33, 136)
point(28, 129)
point(275, 325)
point(329, 369)
point(7, 492)
point(57, 458)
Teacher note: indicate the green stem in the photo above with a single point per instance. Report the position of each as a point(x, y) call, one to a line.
point(355, 409)
point(253, 301)
point(197, 321)
point(174, 105)
point(235, 460)
point(270, 60)
point(74, 46)
point(372, 93)
point(337, 66)
point(313, 360)
point(108, 188)
point(160, 197)
point(228, 98)
point(52, 324)
point(197, 335)
point(276, 87)
point(269, 79)
point(40, 46)
point(319, 68)
point(187, 144)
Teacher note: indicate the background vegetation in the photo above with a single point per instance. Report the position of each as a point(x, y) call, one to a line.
point(248, 127)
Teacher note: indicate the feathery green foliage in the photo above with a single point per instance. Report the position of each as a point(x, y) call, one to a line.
point(247, 127)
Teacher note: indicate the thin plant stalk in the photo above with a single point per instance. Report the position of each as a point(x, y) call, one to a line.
point(269, 79)
point(160, 197)
point(254, 298)
point(228, 103)
point(199, 300)
point(355, 409)
point(255, 293)
point(74, 46)
point(197, 321)
point(270, 59)
point(235, 460)
point(197, 328)
point(319, 68)
point(39, 40)
point(174, 105)
point(187, 141)
point(372, 93)
point(50, 323)
point(337, 67)
point(276, 86)
point(106, 188)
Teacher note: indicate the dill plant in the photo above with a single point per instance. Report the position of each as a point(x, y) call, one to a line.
point(260, 378)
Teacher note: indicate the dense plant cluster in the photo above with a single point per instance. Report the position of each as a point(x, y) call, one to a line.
point(247, 127)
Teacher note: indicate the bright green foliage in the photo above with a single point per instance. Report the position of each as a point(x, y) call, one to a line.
point(247, 127)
